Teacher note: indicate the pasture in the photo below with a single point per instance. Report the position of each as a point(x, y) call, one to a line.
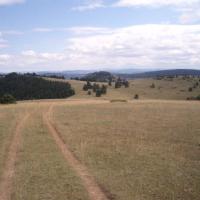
point(82, 149)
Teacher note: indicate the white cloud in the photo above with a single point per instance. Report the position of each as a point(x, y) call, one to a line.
point(189, 10)
point(140, 46)
point(162, 46)
point(10, 2)
point(156, 3)
point(43, 30)
point(89, 5)
point(87, 30)
point(12, 32)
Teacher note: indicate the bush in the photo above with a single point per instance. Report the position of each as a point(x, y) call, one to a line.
point(152, 86)
point(190, 89)
point(104, 89)
point(98, 93)
point(85, 88)
point(118, 101)
point(136, 96)
point(89, 92)
point(7, 99)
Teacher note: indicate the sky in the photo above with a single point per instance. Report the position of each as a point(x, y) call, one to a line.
point(49, 35)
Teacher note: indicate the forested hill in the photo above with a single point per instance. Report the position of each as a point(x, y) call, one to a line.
point(101, 76)
point(174, 72)
point(28, 87)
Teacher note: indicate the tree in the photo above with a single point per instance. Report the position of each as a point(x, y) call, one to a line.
point(117, 84)
point(98, 93)
point(126, 84)
point(89, 85)
point(89, 92)
point(95, 87)
point(104, 89)
point(28, 87)
point(7, 99)
point(85, 87)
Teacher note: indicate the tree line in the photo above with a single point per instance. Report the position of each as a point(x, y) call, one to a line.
point(29, 87)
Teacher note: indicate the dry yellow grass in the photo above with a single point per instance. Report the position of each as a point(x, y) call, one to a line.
point(164, 89)
point(143, 150)
point(41, 172)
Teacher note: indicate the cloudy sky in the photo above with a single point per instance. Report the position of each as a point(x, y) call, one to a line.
point(37, 35)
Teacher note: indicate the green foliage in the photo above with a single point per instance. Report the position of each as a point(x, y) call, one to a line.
point(7, 99)
point(119, 83)
point(98, 77)
point(87, 86)
point(104, 89)
point(28, 87)
point(98, 93)
point(198, 98)
point(95, 87)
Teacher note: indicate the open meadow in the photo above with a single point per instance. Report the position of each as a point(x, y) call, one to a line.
point(81, 149)
point(177, 88)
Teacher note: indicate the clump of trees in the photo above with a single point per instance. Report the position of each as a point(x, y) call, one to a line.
point(121, 82)
point(99, 90)
point(7, 99)
point(28, 87)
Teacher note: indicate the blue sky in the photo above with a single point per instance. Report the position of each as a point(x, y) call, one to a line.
point(37, 35)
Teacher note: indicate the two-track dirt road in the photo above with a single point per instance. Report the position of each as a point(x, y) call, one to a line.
point(9, 171)
point(88, 181)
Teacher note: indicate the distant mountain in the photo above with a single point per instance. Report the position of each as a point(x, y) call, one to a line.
point(180, 72)
point(66, 74)
point(101, 76)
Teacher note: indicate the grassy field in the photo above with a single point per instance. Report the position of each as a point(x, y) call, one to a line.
point(135, 150)
point(143, 150)
point(165, 89)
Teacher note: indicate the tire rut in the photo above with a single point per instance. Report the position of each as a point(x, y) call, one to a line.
point(90, 184)
point(9, 171)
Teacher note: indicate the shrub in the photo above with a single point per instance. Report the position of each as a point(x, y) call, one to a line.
point(118, 101)
point(7, 99)
point(136, 96)
point(152, 85)
point(98, 93)
point(104, 89)
point(89, 92)
point(190, 89)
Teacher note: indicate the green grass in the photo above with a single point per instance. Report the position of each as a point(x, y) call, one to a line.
point(143, 150)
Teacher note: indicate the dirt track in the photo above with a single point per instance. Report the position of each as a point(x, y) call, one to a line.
point(94, 191)
point(7, 177)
